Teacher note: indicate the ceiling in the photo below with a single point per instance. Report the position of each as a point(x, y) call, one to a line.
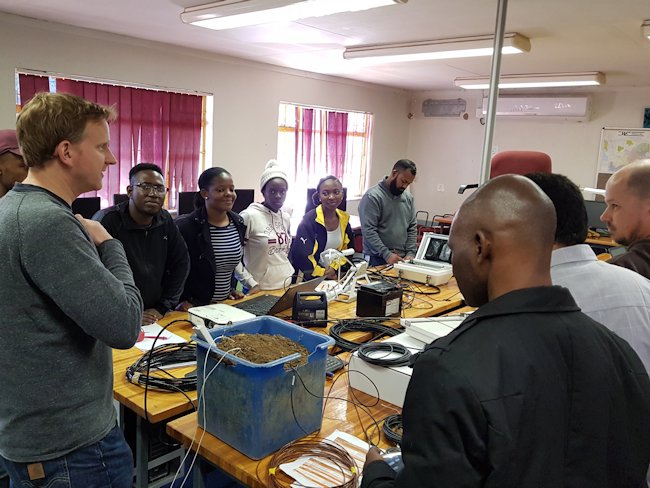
point(565, 35)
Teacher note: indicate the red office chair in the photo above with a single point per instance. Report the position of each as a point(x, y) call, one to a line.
point(516, 162)
point(519, 163)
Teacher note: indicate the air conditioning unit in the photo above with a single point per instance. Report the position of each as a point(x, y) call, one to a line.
point(577, 109)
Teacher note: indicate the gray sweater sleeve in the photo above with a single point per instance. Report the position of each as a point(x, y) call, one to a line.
point(412, 240)
point(94, 287)
point(370, 211)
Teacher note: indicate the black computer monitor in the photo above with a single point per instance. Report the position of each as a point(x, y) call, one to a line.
point(594, 211)
point(86, 206)
point(244, 199)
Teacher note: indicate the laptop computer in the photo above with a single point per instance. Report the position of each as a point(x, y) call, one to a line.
point(271, 304)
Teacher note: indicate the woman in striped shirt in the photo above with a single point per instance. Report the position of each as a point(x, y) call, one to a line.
point(214, 235)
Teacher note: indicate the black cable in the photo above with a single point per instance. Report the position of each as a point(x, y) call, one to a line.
point(418, 290)
point(392, 428)
point(333, 398)
point(159, 358)
point(365, 353)
point(354, 325)
point(147, 378)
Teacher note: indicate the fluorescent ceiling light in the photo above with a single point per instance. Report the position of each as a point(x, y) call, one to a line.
point(645, 28)
point(597, 191)
point(230, 14)
point(548, 80)
point(460, 47)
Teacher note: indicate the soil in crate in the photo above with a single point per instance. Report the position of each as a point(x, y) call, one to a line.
point(264, 348)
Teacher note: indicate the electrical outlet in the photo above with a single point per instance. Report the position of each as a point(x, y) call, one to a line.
point(441, 187)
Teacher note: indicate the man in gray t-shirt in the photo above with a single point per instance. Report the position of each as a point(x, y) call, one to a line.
point(387, 216)
point(68, 297)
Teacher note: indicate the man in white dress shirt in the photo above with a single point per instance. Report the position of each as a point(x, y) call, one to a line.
point(614, 296)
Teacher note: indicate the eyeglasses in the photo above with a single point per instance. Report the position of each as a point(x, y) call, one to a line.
point(148, 188)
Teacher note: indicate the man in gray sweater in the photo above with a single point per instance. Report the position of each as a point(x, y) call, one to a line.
point(68, 297)
point(387, 216)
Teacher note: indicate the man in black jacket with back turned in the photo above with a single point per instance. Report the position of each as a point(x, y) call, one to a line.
point(154, 247)
point(528, 391)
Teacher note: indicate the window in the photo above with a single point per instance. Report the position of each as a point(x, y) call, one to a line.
point(153, 126)
point(314, 142)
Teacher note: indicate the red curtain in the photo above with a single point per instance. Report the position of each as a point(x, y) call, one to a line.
point(307, 124)
point(164, 127)
point(184, 141)
point(30, 85)
point(336, 137)
point(320, 150)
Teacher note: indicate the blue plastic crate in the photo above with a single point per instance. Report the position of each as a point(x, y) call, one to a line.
point(247, 405)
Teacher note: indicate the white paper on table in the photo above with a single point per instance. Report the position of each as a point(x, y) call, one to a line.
point(153, 330)
point(314, 471)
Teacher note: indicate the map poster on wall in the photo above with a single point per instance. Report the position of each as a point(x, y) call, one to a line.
point(620, 147)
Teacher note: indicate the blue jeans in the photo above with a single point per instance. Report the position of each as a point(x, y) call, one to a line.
point(374, 260)
point(4, 478)
point(105, 464)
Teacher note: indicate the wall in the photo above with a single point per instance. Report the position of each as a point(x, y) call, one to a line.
point(246, 94)
point(448, 151)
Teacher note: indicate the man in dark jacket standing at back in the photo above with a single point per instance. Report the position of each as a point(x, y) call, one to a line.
point(528, 391)
point(154, 247)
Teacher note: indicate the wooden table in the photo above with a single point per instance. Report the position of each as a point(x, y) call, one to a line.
point(602, 241)
point(444, 220)
point(463, 310)
point(162, 406)
point(421, 306)
point(449, 298)
point(445, 223)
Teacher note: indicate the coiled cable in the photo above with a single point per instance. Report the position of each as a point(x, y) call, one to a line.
point(159, 358)
point(318, 448)
point(366, 353)
point(392, 428)
point(354, 325)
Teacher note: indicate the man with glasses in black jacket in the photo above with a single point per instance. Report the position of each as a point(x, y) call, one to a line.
point(154, 247)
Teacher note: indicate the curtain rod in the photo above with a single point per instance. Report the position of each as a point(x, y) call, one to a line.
point(109, 82)
point(325, 108)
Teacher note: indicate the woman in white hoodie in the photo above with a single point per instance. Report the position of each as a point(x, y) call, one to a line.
point(267, 241)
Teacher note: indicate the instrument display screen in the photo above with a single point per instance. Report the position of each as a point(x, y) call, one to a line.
point(436, 249)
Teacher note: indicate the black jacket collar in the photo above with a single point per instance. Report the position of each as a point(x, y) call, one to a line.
point(541, 299)
point(130, 224)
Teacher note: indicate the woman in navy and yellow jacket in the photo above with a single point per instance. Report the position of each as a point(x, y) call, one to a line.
point(325, 227)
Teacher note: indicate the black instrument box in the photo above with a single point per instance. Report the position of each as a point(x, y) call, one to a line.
point(379, 299)
point(310, 308)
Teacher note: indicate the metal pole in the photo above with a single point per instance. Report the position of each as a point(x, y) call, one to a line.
point(495, 73)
